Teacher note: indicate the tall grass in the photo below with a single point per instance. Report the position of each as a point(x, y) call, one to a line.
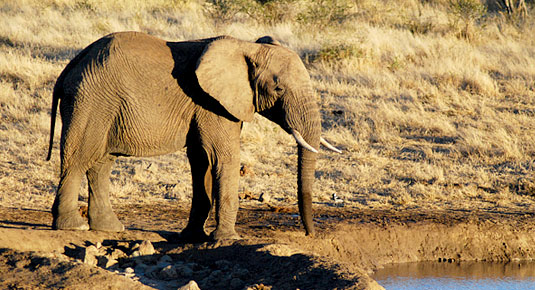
point(433, 102)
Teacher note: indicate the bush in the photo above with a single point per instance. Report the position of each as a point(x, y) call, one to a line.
point(465, 14)
point(337, 52)
point(324, 13)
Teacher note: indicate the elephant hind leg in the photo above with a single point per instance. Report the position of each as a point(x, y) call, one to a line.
point(201, 205)
point(66, 215)
point(101, 215)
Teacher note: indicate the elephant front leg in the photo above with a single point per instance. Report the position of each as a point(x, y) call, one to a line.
point(226, 198)
point(101, 215)
point(65, 213)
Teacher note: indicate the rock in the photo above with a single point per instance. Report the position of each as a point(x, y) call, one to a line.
point(240, 272)
point(135, 247)
point(245, 170)
point(106, 261)
point(168, 273)
point(146, 248)
point(264, 197)
point(117, 253)
point(135, 254)
point(246, 195)
point(223, 264)
point(195, 266)
point(259, 287)
point(83, 211)
point(203, 273)
point(184, 271)
point(123, 244)
point(192, 285)
point(125, 263)
point(165, 259)
point(236, 283)
point(140, 269)
point(216, 275)
point(152, 272)
point(129, 270)
point(90, 255)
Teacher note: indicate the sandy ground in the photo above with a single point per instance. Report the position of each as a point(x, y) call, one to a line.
point(274, 254)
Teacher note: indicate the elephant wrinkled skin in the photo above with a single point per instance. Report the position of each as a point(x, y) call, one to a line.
point(131, 94)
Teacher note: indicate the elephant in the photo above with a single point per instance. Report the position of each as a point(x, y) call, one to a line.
point(133, 94)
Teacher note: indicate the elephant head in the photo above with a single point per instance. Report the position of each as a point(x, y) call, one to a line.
point(269, 79)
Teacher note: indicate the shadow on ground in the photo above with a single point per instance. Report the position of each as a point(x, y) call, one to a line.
point(231, 265)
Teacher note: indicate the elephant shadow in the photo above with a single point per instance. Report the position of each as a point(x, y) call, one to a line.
point(227, 265)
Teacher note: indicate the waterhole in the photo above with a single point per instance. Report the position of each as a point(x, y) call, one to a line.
point(452, 275)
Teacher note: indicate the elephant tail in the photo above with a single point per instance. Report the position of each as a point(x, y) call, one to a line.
point(58, 92)
point(53, 113)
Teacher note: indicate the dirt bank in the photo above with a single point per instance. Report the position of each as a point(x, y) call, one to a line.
point(275, 254)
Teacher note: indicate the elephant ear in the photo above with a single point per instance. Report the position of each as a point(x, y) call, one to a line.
point(223, 73)
point(268, 40)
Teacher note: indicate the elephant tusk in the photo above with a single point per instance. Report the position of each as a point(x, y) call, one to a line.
point(329, 146)
point(302, 141)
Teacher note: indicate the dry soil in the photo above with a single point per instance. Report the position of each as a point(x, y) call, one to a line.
point(274, 253)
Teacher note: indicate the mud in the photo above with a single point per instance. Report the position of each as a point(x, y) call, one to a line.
point(274, 253)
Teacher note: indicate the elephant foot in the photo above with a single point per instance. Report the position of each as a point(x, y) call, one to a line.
point(72, 221)
point(105, 222)
point(190, 235)
point(220, 235)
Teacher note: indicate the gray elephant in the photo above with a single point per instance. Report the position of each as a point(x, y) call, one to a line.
point(131, 94)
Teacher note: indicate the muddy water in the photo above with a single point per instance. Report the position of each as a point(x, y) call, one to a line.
point(465, 275)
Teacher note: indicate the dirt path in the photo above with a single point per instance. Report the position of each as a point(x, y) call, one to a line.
point(274, 253)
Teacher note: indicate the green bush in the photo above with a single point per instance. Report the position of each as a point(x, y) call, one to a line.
point(466, 13)
point(326, 13)
point(338, 52)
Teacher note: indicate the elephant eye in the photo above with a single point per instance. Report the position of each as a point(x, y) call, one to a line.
point(279, 90)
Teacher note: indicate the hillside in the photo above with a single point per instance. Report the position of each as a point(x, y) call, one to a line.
point(432, 102)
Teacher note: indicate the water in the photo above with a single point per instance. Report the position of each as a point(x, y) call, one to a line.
point(464, 275)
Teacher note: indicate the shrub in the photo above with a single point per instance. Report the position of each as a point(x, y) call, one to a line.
point(324, 13)
point(338, 52)
point(466, 13)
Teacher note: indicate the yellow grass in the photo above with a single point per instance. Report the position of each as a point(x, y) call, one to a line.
point(432, 110)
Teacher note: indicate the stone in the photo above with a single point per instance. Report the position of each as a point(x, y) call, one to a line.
point(165, 259)
point(90, 255)
point(264, 197)
point(184, 271)
point(106, 261)
point(236, 283)
point(259, 287)
point(216, 275)
point(168, 273)
point(117, 253)
point(146, 248)
point(245, 170)
point(240, 272)
point(140, 269)
point(152, 272)
point(192, 285)
point(135, 254)
point(223, 264)
point(129, 270)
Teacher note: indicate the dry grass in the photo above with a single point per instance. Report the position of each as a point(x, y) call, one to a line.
point(432, 107)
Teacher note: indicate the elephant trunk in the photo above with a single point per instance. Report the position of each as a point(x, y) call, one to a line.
point(308, 126)
point(305, 182)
